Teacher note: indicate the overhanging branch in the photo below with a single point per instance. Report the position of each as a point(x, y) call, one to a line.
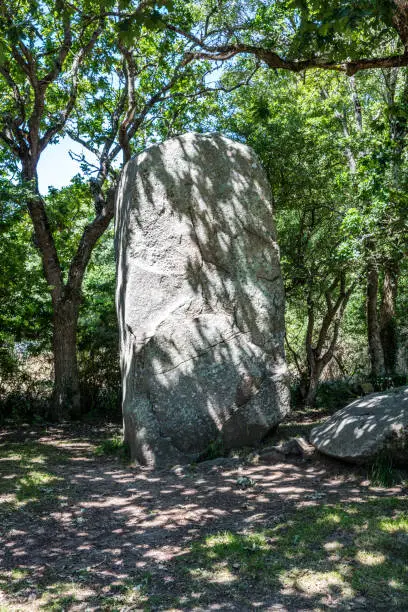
point(273, 60)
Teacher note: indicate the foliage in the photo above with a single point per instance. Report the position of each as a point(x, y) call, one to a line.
point(25, 308)
point(335, 152)
point(382, 471)
point(288, 122)
point(335, 394)
point(342, 28)
point(334, 149)
point(113, 446)
point(26, 312)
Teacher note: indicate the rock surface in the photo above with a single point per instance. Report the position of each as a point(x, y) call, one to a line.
point(200, 300)
point(294, 447)
point(366, 427)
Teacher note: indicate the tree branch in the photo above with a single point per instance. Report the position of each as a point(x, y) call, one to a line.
point(6, 74)
point(295, 356)
point(46, 246)
point(130, 75)
point(309, 330)
point(273, 60)
point(78, 60)
point(91, 234)
point(7, 138)
point(62, 53)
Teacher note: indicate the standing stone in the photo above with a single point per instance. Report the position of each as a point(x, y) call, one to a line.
point(200, 300)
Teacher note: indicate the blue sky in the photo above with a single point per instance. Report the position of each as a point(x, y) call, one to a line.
point(56, 168)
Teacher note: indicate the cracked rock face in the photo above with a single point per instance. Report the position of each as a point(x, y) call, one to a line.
point(200, 300)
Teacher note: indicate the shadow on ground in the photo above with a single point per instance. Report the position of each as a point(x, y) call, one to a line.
point(81, 532)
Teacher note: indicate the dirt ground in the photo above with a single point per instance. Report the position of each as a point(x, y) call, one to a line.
point(101, 535)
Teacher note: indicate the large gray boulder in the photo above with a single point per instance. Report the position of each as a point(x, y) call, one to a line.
point(200, 300)
point(367, 427)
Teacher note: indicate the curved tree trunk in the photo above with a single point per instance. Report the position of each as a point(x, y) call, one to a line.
point(320, 354)
point(65, 297)
point(315, 372)
point(373, 326)
point(388, 326)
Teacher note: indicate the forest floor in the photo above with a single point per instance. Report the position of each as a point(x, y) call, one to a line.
point(83, 530)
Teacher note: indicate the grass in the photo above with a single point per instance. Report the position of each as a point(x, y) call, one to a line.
point(317, 557)
point(382, 472)
point(26, 476)
point(113, 446)
point(320, 554)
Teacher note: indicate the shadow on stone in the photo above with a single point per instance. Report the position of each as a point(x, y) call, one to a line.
point(200, 300)
point(370, 426)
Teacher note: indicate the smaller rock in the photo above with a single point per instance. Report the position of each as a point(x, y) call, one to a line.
point(366, 428)
point(295, 447)
point(298, 447)
point(178, 469)
point(315, 496)
point(253, 458)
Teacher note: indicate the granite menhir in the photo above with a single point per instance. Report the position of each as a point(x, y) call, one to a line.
point(200, 300)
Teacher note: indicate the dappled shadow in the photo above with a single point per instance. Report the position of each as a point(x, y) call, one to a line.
point(319, 558)
point(361, 428)
point(199, 299)
point(111, 535)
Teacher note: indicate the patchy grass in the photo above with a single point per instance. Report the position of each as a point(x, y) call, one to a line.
point(26, 474)
point(56, 595)
point(113, 446)
point(383, 473)
point(311, 556)
point(329, 555)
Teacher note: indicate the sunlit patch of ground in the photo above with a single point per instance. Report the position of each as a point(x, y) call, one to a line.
point(26, 475)
point(330, 555)
point(80, 530)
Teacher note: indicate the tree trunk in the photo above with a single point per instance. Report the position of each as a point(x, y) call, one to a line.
point(373, 327)
point(66, 394)
point(66, 297)
point(388, 327)
point(315, 372)
point(319, 356)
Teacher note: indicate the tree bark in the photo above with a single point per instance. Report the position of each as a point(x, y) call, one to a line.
point(66, 298)
point(66, 398)
point(315, 372)
point(26, 138)
point(373, 326)
point(388, 327)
